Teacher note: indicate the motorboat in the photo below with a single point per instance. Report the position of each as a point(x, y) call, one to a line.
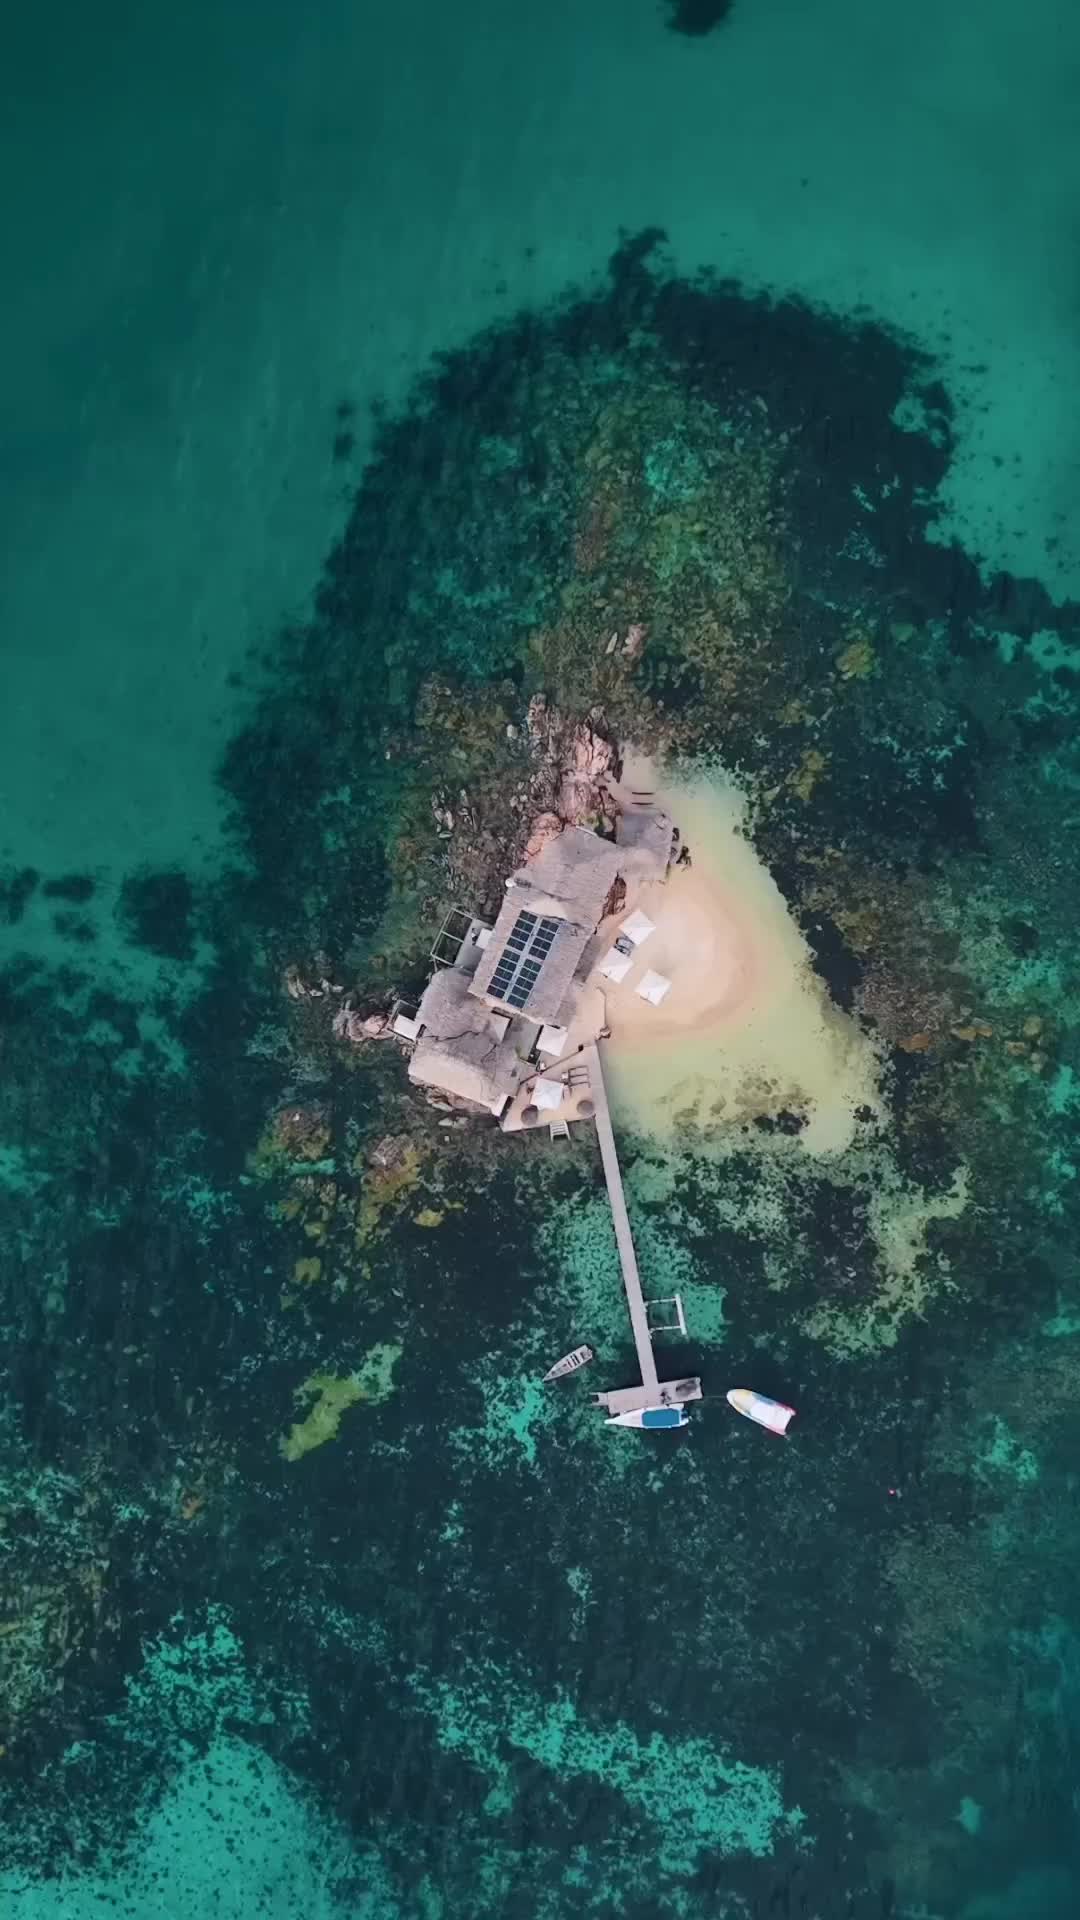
point(650, 1417)
point(569, 1363)
point(757, 1406)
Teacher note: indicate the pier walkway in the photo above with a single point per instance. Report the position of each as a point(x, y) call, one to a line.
point(653, 1392)
point(639, 1319)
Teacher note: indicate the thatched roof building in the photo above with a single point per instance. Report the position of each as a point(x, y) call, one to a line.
point(477, 1022)
point(463, 1049)
point(550, 913)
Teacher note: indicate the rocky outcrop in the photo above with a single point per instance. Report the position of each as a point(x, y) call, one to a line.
point(574, 760)
point(349, 1024)
point(546, 826)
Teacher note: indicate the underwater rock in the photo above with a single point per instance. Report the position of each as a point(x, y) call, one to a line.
point(632, 647)
point(696, 18)
point(41, 1628)
point(910, 1013)
point(16, 888)
point(857, 661)
point(301, 1132)
point(314, 986)
point(333, 1394)
point(156, 911)
point(807, 774)
point(392, 1170)
point(53, 1577)
point(390, 1151)
point(348, 1024)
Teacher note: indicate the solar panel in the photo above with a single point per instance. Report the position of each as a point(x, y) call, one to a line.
point(502, 977)
point(529, 943)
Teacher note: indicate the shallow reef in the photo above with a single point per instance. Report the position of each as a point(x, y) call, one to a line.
point(283, 1471)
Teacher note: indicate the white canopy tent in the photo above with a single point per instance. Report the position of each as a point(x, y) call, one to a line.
point(637, 927)
point(548, 1094)
point(654, 988)
point(552, 1040)
point(615, 965)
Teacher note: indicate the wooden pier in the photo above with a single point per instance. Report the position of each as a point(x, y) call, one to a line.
point(653, 1392)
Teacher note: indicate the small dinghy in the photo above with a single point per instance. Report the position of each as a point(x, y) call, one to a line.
point(569, 1363)
point(650, 1417)
point(757, 1406)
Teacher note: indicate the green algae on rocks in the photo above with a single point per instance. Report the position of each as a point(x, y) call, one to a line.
point(332, 1394)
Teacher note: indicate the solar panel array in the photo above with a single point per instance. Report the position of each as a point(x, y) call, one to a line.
point(521, 959)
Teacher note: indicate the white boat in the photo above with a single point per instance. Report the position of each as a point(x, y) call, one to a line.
point(757, 1406)
point(569, 1363)
point(650, 1417)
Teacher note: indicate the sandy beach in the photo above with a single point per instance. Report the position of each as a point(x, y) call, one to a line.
point(747, 1027)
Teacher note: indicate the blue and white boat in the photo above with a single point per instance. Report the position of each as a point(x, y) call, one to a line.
point(650, 1417)
point(757, 1406)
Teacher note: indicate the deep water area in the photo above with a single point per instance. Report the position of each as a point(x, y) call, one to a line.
point(313, 1599)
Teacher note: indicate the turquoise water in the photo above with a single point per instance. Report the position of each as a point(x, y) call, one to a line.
point(351, 396)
